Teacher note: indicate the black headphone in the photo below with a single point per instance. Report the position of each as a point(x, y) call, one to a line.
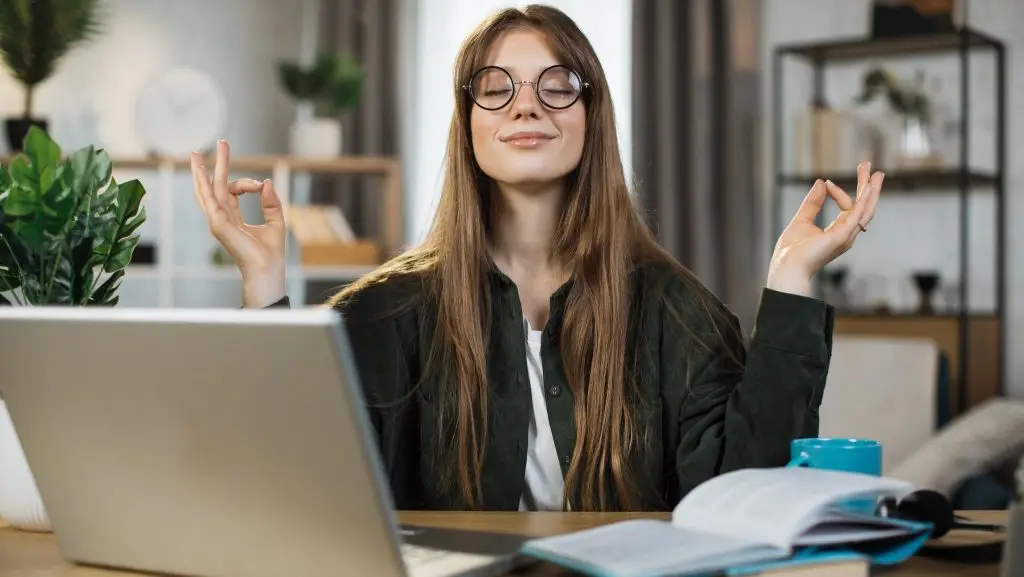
point(933, 507)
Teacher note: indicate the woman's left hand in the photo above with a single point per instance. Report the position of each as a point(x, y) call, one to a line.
point(803, 249)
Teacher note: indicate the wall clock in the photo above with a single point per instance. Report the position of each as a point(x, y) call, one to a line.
point(180, 110)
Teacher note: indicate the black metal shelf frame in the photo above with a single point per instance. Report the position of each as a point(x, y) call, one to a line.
point(961, 178)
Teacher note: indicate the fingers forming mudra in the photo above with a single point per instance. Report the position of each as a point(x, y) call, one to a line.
point(254, 247)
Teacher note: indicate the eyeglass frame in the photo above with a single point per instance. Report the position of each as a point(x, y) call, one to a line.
point(517, 85)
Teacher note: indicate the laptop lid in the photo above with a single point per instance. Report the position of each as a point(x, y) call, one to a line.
point(199, 442)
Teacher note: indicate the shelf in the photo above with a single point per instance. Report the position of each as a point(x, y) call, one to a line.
point(339, 273)
point(940, 316)
point(264, 163)
point(864, 48)
point(930, 179)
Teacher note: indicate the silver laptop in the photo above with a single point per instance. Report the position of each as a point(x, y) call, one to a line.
point(213, 443)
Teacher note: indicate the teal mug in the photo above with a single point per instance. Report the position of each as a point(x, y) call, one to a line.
point(862, 456)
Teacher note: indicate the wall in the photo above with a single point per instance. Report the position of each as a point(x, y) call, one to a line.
point(441, 25)
point(91, 99)
point(918, 231)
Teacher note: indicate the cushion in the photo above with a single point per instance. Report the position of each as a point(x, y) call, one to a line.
point(984, 439)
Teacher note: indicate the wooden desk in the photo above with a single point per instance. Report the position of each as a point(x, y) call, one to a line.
point(36, 555)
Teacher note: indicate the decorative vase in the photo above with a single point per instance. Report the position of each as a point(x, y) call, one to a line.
point(915, 148)
point(926, 283)
point(316, 138)
point(17, 128)
point(20, 503)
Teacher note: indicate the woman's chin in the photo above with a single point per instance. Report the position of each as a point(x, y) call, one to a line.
point(521, 172)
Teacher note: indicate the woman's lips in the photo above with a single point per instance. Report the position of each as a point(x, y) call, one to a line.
point(527, 139)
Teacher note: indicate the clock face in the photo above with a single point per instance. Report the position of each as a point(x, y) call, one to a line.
point(181, 110)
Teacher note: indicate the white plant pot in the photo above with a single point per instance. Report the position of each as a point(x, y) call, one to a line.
point(316, 138)
point(20, 503)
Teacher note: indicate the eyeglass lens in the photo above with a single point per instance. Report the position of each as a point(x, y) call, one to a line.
point(557, 87)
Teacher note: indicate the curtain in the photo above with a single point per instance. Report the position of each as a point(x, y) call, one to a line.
point(369, 30)
point(696, 112)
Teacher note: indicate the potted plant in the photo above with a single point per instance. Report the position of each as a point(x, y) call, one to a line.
point(912, 104)
point(67, 233)
point(33, 40)
point(323, 91)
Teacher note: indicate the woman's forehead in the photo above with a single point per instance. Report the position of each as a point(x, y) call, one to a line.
point(525, 52)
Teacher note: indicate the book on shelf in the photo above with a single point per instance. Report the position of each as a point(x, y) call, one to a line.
point(752, 521)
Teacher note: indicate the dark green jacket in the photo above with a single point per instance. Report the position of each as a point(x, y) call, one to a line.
point(708, 414)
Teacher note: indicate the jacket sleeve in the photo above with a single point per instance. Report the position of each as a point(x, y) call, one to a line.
point(741, 407)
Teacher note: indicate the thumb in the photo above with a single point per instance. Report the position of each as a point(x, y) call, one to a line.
point(812, 203)
point(273, 208)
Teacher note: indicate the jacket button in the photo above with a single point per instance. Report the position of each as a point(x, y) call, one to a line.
point(567, 459)
point(554, 390)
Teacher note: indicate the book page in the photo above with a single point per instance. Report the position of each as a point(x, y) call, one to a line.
point(774, 505)
point(648, 547)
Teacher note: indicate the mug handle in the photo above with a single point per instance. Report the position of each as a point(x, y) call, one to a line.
point(801, 460)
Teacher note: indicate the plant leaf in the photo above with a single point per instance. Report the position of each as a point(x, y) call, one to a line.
point(118, 238)
point(59, 287)
point(23, 197)
point(90, 168)
point(12, 258)
point(106, 293)
point(83, 275)
point(41, 149)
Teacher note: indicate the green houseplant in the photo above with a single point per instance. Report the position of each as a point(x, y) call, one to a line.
point(906, 100)
point(34, 37)
point(67, 233)
point(67, 228)
point(324, 90)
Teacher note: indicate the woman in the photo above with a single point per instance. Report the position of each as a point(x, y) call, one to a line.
point(539, 350)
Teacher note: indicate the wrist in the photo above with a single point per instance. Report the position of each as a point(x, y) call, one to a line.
point(792, 284)
point(262, 289)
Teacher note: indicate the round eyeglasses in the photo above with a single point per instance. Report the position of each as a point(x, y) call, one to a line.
point(558, 87)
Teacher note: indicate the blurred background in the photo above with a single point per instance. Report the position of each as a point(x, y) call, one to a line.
point(727, 111)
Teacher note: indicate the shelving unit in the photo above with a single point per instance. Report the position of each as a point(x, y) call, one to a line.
point(974, 342)
point(281, 169)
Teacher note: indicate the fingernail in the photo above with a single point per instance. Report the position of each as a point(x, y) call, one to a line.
point(830, 183)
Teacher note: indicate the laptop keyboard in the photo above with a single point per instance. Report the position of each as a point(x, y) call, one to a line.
point(429, 562)
point(414, 555)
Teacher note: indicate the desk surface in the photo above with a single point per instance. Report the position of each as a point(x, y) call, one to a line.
point(25, 554)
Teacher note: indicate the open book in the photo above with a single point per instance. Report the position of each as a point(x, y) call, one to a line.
point(743, 519)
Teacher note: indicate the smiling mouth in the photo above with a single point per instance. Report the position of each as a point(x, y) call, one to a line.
point(526, 137)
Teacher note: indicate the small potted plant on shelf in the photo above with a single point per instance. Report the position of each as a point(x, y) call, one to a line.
point(915, 147)
point(323, 91)
point(33, 40)
point(67, 233)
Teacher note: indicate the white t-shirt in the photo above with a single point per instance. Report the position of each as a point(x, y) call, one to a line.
point(544, 482)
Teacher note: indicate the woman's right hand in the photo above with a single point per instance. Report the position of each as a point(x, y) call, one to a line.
point(258, 250)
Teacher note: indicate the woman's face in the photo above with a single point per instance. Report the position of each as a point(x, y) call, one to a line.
point(526, 142)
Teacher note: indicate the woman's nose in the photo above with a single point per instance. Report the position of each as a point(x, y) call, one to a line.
point(526, 102)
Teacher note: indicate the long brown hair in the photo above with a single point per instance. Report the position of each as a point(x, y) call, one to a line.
point(601, 238)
